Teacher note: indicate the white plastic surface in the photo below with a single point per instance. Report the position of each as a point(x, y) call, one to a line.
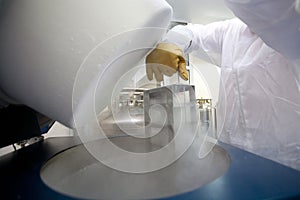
point(44, 43)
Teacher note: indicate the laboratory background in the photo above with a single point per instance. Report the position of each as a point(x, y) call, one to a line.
point(84, 114)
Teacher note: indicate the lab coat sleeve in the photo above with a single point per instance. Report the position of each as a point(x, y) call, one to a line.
point(276, 22)
point(205, 40)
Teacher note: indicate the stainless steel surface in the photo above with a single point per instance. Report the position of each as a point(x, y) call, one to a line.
point(208, 117)
point(176, 104)
point(75, 172)
point(111, 126)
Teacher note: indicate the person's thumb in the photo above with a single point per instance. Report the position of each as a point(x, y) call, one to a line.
point(182, 69)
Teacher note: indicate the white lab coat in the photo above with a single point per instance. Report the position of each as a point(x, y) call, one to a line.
point(277, 22)
point(260, 101)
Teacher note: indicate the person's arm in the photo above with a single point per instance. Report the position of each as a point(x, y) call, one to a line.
point(167, 57)
point(276, 22)
point(207, 40)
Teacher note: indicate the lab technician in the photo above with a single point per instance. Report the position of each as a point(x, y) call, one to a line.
point(260, 103)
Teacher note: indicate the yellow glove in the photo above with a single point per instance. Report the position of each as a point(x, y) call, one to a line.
point(166, 59)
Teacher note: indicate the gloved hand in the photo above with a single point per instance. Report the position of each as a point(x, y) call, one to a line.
point(166, 59)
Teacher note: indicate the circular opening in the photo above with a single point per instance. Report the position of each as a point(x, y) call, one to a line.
point(76, 173)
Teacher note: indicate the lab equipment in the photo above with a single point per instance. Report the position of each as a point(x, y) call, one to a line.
point(178, 181)
point(208, 117)
point(82, 176)
point(127, 114)
point(167, 110)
